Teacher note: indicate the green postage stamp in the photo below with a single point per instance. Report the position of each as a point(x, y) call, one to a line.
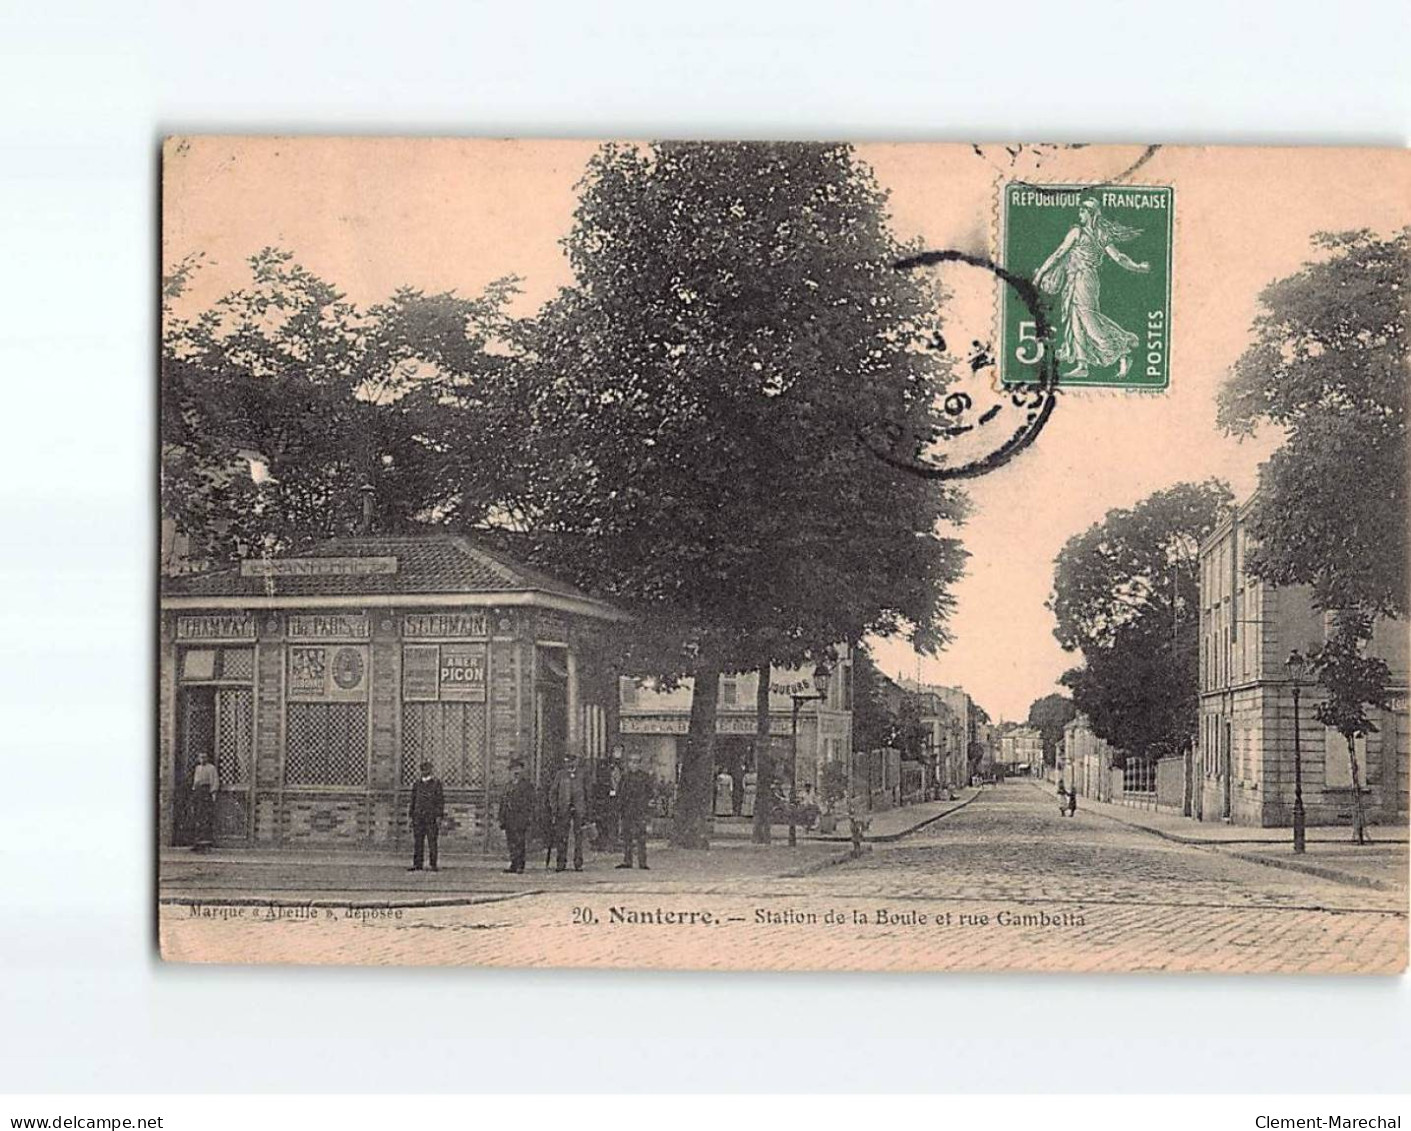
point(1099, 257)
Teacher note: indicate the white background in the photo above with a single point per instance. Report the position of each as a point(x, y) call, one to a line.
point(86, 90)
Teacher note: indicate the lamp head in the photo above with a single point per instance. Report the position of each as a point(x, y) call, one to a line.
point(821, 675)
point(1297, 665)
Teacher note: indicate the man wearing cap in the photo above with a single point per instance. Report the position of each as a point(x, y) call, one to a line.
point(517, 814)
point(636, 799)
point(568, 804)
point(427, 809)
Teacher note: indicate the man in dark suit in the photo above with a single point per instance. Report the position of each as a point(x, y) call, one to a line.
point(635, 797)
point(427, 809)
point(568, 803)
point(517, 814)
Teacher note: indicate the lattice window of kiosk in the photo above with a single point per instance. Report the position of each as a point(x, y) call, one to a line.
point(444, 716)
point(326, 716)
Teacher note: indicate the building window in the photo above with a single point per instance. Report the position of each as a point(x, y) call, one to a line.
point(235, 734)
point(327, 744)
point(729, 690)
point(444, 712)
point(326, 715)
point(627, 691)
point(449, 735)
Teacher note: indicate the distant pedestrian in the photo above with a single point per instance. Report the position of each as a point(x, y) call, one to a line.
point(517, 814)
point(607, 800)
point(427, 808)
point(635, 797)
point(568, 802)
point(205, 784)
point(720, 798)
point(1072, 801)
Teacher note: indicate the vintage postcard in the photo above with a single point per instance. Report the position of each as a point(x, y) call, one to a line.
point(746, 556)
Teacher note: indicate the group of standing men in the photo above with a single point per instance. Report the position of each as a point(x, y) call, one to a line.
point(566, 811)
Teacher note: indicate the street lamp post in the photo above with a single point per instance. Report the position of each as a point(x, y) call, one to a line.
point(820, 691)
point(1296, 666)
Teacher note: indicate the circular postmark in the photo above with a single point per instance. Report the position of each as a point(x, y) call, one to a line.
point(977, 424)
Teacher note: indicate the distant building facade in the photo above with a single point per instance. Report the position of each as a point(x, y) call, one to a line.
point(1245, 746)
point(949, 718)
point(1021, 749)
point(655, 722)
point(1087, 761)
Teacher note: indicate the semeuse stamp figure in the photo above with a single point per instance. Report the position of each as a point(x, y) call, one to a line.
point(1061, 237)
point(1088, 336)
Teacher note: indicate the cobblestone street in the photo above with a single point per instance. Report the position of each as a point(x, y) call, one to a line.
point(1004, 883)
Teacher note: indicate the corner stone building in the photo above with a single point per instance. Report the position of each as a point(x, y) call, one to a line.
point(320, 683)
point(1245, 748)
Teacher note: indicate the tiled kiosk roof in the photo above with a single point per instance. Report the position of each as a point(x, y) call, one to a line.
point(415, 566)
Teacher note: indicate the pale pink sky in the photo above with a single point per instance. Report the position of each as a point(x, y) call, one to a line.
point(370, 215)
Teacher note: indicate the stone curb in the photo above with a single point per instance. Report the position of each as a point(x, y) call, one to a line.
point(467, 900)
point(1322, 871)
point(1211, 842)
point(1334, 875)
point(888, 838)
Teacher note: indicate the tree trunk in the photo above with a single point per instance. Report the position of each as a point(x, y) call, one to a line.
point(763, 759)
point(694, 790)
point(1359, 815)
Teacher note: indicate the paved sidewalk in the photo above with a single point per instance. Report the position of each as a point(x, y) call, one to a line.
point(1330, 854)
point(883, 827)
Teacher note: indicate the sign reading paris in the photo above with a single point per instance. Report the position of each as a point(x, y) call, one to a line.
point(1099, 257)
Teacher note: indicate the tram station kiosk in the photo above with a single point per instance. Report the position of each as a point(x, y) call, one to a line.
point(320, 682)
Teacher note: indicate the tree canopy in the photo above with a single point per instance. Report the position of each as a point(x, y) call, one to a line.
point(736, 319)
point(1049, 715)
point(1127, 596)
point(1328, 365)
point(411, 397)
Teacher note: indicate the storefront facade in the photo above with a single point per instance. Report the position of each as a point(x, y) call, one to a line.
point(655, 723)
point(320, 683)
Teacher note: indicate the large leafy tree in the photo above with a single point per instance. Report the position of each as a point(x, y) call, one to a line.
point(415, 398)
point(1126, 594)
point(735, 326)
point(1049, 715)
point(1328, 365)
